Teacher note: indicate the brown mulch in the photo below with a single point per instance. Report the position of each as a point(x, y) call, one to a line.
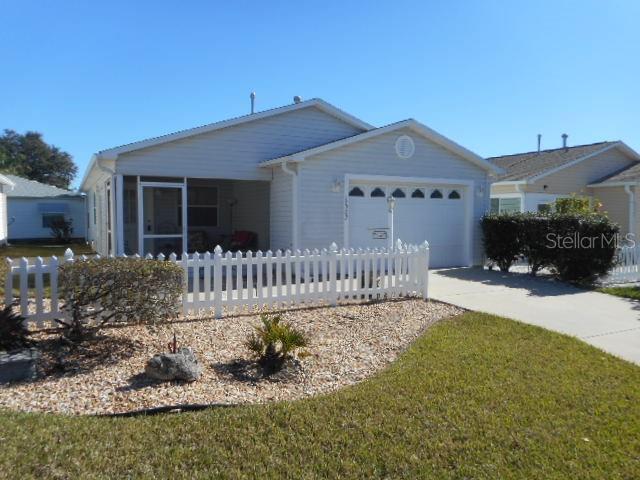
point(105, 375)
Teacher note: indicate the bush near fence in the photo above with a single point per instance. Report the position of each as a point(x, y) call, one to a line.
point(108, 290)
point(589, 251)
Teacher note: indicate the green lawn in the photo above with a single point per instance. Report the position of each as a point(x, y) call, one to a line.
point(626, 292)
point(476, 397)
point(17, 251)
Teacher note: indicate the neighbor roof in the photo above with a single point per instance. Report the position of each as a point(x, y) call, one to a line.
point(26, 188)
point(626, 176)
point(409, 123)
point(523, 166)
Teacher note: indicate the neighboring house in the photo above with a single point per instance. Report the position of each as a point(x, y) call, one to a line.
point(607, 171)
point(300, 176)
point(32, 207)
point(5, 186)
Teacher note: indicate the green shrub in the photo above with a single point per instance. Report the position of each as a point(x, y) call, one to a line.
point(102, 290)
point(575, 205)
point(273, 342)
point(533, 241)
point(583, 246)
point(13, 331)
point(501, 237)
point(62, 230)
point(577, 247)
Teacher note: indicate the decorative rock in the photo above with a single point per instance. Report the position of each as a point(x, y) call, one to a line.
point(182, 365)
point(18, 365)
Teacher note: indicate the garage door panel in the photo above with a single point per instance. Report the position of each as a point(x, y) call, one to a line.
point(441, 222)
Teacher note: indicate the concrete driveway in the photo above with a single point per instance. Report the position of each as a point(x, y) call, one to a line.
point(605, 321)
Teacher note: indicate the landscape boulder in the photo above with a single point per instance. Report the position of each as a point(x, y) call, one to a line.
point(182, 365)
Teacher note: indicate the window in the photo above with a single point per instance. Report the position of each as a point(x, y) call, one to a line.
point(505, 205)
point(48, 219)
point(398, 193)
point(202, 206)
point(436, 194)
point(544, 207)
point(417, 193)
point(377, 192)
point(356, 192)
point(95, 209)
point(454, 195)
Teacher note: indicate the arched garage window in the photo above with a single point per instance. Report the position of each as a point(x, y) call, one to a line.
point(454, 195)
point(436, 194)
point(398, 193)
point(377, 192)
point(356, 192)
point(417, 193)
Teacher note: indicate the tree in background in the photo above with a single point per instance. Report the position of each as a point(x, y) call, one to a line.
point(31, 157)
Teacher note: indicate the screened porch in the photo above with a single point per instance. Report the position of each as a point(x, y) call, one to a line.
point(166, 215)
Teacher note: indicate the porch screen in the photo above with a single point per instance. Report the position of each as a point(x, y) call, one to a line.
point(202, 206)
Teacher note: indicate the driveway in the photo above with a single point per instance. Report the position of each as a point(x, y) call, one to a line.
point(607, 322)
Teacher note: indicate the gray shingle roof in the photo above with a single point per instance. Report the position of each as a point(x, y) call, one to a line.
point(629, 174)
point(521, 166)
point(30, 188)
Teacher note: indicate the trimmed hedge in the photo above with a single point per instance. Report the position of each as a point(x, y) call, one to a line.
point(577, 247)
point(104, 290)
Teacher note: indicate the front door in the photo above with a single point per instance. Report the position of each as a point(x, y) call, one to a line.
point(163, 222)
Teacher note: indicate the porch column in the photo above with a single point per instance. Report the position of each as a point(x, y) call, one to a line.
point(118, 196)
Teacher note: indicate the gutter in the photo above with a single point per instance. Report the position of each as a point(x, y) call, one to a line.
point(294, 205)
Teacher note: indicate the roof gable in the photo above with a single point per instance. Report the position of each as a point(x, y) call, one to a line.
point(112, 153)
point(530, 166)
point(412, 124)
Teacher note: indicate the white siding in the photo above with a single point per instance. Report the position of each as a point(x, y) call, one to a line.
point(234, 152)
point(321, 209)
point(25, 218)
point(252, 210)
point(281, 212)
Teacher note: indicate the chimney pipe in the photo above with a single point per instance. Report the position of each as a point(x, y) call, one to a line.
point(539, 141)
point(564, 140)
point(253, 101)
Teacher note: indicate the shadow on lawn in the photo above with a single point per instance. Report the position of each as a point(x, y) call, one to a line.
point(543, 286)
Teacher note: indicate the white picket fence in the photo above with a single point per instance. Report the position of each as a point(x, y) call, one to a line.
point(627, 267)
point(219, 281)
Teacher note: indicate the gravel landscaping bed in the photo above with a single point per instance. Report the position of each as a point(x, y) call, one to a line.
point(348, 343)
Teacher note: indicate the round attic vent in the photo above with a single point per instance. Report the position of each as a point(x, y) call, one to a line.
point(405, 147)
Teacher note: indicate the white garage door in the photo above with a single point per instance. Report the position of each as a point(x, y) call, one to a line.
point(435, 213)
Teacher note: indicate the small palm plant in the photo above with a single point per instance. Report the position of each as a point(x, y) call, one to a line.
point(274, 341)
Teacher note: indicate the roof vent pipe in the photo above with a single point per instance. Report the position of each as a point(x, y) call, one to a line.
point(253, 101)
point(539, 141)
point(297, 99)
point(564, 140)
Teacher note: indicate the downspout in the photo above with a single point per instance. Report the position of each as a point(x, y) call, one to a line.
point(632, 209)
point(519, 190)
point(294, 205)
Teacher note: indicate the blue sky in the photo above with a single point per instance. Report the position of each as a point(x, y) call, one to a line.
point(488, 74)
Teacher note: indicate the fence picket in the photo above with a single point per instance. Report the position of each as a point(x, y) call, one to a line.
point(219, 280)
